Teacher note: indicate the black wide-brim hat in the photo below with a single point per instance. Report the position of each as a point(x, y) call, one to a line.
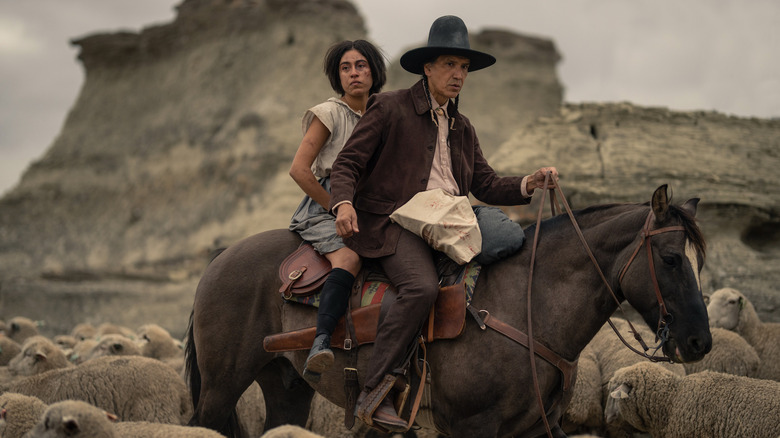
point(448, 36)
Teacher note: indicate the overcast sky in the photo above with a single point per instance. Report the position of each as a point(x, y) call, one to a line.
point(717, 55)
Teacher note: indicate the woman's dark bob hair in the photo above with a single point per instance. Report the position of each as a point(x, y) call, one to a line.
point(373, 55)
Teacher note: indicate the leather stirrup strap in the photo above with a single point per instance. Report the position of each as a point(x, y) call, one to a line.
point(420, 388)
point(351, 383)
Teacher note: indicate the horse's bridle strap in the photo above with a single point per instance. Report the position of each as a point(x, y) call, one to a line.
point(646, 234)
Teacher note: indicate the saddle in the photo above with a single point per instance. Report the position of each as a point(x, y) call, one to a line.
point(445, 321)
point(303, 273)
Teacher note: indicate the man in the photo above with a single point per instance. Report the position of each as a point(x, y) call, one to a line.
point(409, 141)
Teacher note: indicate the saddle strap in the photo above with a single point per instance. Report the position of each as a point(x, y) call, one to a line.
point(351, 384)
point(566, 367)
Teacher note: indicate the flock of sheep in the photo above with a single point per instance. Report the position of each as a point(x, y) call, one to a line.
point(110, 381)
point(733, 392)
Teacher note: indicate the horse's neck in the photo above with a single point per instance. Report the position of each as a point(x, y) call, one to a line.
point(580, 299)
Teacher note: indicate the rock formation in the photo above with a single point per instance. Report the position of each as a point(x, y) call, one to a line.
point(180, 142)
point(621, 153)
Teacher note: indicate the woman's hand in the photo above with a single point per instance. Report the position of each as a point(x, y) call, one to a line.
point(346, 221)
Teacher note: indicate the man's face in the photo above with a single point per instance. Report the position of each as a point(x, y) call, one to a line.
point(446, 76)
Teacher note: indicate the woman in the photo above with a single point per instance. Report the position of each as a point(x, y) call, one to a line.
point(356, 69)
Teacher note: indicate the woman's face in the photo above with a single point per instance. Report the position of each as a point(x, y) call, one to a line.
point(355, 74)
point(446, 76)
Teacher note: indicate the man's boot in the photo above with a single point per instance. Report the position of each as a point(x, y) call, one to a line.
point(320, 358)
point(385, 415)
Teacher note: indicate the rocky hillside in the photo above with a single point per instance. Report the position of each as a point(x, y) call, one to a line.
point(179, 143)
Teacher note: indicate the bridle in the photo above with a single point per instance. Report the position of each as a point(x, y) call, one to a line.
point(665, 318)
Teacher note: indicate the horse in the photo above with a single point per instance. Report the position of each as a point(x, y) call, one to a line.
point(481, 383)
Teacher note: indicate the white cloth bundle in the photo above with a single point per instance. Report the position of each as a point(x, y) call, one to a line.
point(446, 222)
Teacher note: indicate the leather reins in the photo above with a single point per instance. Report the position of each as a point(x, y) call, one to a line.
point(567, 367)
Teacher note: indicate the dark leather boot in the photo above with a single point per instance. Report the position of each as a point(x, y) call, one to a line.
point(386, 416)
point(320, 358)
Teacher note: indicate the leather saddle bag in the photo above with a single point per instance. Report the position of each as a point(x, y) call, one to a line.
point(303, 272)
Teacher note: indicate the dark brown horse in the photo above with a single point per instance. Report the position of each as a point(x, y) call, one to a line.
point(481, 382)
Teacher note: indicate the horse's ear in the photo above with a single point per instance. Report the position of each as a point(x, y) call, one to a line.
point(660, 204)
point(690, 206)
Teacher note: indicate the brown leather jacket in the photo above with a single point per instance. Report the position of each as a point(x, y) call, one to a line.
point(388, 159)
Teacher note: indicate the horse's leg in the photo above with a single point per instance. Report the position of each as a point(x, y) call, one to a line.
point(287, 396)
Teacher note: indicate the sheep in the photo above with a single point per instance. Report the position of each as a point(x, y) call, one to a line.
point(8, 349)
point(731, 310)
point(730, 354)
point(78, 419)
point(108, 328)
point(114, 345)
point(20, 328)
point(135, 388)
point(66, 342)
point(83, 331)
point(290, 431)
point(585, 411)
point(81, 350)
point(157, 343)
point(705, 404)
point(38, 355)
point(19, 414)
point(250, 410)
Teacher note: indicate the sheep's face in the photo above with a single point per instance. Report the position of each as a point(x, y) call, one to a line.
point(74, 419)
point(628, 389)
point(725, 305)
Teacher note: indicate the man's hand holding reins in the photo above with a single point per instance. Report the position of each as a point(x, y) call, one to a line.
point(536, 180)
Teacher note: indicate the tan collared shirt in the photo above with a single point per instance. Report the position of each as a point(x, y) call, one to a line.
point(441, 170)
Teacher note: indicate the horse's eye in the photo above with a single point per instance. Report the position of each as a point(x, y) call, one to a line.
point(669, 260)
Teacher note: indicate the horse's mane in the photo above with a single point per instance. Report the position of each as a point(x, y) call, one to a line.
point(688, 221)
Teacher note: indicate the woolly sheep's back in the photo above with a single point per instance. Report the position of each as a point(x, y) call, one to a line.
point(155, 430)
point(730, 353)
point(8, 349)
point(135, 388)
point(705, 404)
point(585, 409)
point(290, 431)
point(21, 414)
